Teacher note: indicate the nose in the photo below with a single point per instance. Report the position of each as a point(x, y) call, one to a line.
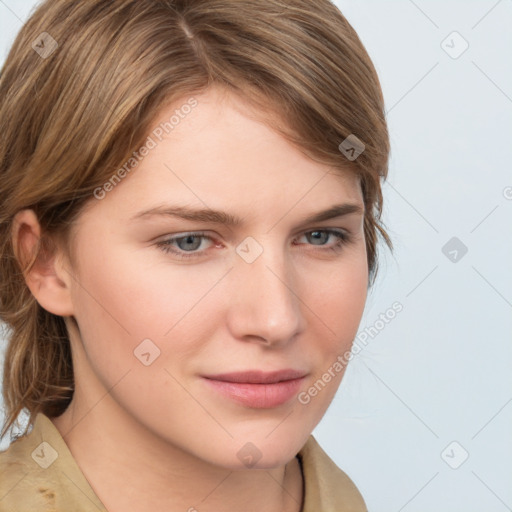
point(266, 304)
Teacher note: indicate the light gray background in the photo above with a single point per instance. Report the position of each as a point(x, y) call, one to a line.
point(439, 372)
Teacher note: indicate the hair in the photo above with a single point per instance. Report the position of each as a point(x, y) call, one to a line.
point(84, 81)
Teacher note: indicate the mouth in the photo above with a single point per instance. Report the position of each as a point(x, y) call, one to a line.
point(257, 389)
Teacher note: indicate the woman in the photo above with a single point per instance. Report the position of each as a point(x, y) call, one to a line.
point(159, 376)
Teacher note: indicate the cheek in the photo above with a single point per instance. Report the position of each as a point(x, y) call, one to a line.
point(346, 304)
point(125, 298)
point(339, 298)
point(336, 310)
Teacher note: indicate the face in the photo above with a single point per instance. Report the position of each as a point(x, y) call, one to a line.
point(163, 301)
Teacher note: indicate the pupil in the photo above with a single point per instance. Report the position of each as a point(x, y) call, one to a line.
point(317, 234)
point(188, 238)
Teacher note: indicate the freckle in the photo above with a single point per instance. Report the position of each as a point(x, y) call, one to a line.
point(41, 489)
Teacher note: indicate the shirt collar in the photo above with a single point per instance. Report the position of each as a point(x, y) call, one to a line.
point(53, 477)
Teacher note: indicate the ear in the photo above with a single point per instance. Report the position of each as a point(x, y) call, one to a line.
point(48, 279)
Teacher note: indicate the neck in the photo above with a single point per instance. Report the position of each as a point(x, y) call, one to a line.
point(130, 468)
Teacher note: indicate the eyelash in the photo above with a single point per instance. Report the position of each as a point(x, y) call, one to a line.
point(344, 238)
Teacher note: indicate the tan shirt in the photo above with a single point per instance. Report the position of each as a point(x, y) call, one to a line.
point(37, 477)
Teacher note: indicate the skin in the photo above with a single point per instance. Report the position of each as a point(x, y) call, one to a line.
point(159, 428)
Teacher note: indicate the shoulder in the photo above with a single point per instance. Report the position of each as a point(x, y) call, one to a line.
point(326, 486)
point(39, 474)
point(20, 477)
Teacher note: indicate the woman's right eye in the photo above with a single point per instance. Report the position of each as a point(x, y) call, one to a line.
point(186, 244)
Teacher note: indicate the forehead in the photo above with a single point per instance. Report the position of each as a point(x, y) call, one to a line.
point(225, 131)
point(222, 154)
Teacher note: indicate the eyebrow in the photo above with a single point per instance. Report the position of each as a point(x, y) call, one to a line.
point(228, 219)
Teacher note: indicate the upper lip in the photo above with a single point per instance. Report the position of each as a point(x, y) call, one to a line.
point(258, 376)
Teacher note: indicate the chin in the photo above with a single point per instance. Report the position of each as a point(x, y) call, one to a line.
point(262, 451)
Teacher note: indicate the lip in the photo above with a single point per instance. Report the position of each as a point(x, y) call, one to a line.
point(257, 389)
point(258, 376)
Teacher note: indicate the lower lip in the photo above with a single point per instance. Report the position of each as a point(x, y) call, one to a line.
point(258, 396)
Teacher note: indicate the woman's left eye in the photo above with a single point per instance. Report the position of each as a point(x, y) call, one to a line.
point(342, 236)
point(190, 242)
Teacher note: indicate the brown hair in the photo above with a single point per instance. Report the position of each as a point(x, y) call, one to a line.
point(80, 88)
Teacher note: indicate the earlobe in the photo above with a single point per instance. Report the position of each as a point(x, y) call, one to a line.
point(47, 278)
